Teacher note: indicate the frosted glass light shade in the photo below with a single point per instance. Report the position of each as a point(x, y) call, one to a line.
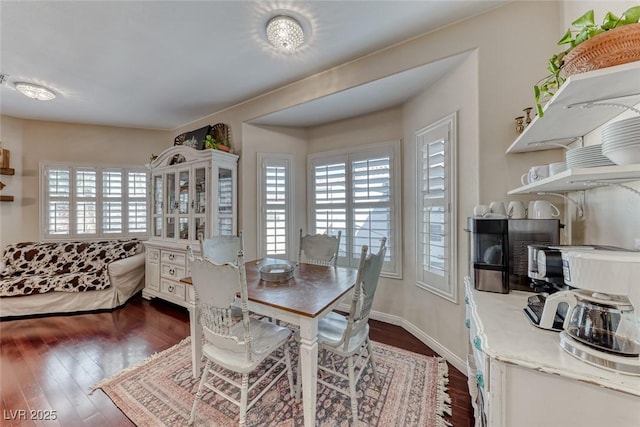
point(35, 91)
point(285, 33)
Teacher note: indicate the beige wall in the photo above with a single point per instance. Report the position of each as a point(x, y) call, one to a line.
point(32, 142)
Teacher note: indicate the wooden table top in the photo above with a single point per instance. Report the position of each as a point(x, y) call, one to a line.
point(311, 290)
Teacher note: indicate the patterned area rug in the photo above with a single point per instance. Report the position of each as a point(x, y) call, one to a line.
point(160, 392)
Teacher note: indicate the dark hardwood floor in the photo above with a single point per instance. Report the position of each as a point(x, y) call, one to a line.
point(49, 364)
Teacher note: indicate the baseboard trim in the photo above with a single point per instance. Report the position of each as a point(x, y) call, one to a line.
point(458, 363)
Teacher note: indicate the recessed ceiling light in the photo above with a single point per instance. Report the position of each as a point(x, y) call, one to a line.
point(285, 33)
point(34, 91)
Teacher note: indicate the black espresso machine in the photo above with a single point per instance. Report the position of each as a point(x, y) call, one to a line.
point(499, 255)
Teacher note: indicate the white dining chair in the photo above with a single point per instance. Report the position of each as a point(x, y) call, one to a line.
point(347, 337)
point(320, 249)
point(232, 345)
point(221, 249)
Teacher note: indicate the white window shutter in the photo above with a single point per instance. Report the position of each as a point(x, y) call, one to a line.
point(436, 216)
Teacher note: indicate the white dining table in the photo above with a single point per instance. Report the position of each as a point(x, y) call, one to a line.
point(303, 300)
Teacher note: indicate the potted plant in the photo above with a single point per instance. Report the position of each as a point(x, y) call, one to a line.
point(210, 142)
point(603, 49)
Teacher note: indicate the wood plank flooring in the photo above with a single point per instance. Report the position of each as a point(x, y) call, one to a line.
point(49, 364)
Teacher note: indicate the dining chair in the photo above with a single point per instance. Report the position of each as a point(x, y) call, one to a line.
point(347, 337)
point(320, 249)
point(221, 249)
point(235, 346)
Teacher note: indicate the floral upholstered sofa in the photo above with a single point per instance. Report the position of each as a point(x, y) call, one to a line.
point(63, 277)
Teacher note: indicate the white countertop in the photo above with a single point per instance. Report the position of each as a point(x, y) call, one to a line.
point(508, 336)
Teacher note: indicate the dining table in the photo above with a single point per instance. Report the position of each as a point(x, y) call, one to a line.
point(312, 292)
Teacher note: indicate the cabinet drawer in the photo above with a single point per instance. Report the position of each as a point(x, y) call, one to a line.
point(175, 289)
point(153, 255)
point(174, 257)
point(172, 271)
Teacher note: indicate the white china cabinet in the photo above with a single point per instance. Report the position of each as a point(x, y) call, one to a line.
point(193, 194)
point(519, 376)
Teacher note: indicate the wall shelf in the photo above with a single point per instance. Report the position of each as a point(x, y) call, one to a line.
point(564, 120)
point(577, 179)
point(6, 198)
point(7, 171)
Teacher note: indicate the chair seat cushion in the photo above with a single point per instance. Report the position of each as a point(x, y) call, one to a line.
point(331, 328)
point(266, 337)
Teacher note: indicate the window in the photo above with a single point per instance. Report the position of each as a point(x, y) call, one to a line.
point(436, 214)
point(275, 221)
point(87, 202)
point(357, 191)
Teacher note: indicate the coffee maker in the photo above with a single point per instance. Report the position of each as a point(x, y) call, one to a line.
point(602, 327)
point(498, 251)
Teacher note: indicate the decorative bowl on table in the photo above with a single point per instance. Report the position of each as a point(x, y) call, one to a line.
point(276, 272)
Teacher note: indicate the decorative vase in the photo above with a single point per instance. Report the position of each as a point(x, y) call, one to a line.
point(614, 47)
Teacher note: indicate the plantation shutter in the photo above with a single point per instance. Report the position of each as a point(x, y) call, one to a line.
point(89, 202)
point(137, 202)
point(435, 218)
point(275, 219)
point(330, 200)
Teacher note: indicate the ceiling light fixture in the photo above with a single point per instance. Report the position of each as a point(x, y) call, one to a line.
point(285, 33)
point(35, 91)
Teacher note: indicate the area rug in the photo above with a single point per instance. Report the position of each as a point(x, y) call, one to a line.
point(160, 392)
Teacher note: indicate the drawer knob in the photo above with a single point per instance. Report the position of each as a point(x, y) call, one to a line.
point(172, 256)
point(172, 271)
point(172, 288)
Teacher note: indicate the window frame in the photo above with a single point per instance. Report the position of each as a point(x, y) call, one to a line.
point(73, 197)
point(393, 267)
point(447, 286)
point(276, 160)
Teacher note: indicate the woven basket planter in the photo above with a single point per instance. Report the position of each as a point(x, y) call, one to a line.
point(614, 47)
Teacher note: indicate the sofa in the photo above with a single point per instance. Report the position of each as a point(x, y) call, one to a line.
point(64, 277)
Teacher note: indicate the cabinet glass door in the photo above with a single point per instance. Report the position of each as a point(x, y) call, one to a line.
point(225, 202)
point(199, 204)
point(183, 204)
point(156, 210)
point(170, 206)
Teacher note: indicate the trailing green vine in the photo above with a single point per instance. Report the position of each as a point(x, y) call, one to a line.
point(583, 29)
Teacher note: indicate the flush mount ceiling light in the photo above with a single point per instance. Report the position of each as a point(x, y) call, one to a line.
point(35, 91)
point(285, 33)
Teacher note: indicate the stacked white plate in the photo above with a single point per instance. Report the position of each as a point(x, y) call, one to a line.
point(587, 157)
point(621, 141)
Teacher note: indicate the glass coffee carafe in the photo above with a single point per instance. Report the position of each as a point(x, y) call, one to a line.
point(605, 322)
